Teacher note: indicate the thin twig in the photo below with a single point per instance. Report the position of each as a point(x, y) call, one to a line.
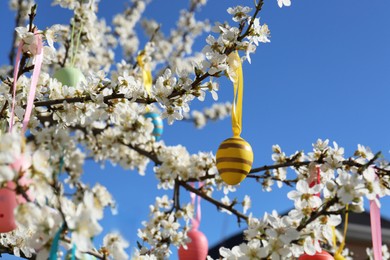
point(217, 203)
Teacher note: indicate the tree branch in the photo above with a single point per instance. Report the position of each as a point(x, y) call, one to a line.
point(319, 213)
point(106, 100)
point(213, 201)
point(248, 29)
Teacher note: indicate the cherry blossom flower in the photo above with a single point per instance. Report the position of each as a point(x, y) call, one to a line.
point(282, 3)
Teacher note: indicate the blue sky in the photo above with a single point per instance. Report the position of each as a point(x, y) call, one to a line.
point(325, 74)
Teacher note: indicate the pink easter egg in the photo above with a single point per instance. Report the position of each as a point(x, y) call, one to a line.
point(7, 205)
point(197, 248)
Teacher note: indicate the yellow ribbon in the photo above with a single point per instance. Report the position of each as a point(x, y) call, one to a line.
point(146, 73)
point(337, 255)
point(238, 86)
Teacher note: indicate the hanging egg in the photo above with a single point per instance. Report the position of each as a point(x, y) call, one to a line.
point(234, 160)
point(323, 255)
point(69, 76)
point(8, 198)
point(7, 205)
point(157, 123)
point(198, 247)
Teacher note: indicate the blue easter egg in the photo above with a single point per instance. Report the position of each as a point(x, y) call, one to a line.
point(157, 123)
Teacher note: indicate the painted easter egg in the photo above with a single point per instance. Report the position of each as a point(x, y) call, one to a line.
point(157, 123)
point(7, 205)
point(234, 160)
point(323, 255)
point(69, 76)
point(198, 247)
point(8, 198)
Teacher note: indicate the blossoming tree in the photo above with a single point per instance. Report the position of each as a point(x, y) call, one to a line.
point(83, 108)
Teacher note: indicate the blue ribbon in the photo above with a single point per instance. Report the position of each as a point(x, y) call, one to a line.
point(73, 257)
point(55, 244)
point(56, 239)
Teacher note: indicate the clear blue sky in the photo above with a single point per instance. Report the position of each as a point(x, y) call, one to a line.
point(325, 74)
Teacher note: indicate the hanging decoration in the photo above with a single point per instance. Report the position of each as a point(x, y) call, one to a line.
point(55, 244)
point(234, 156)
point(197, 249)
point(56, 240)
point(7, 206)
point(315, 178)
point(53, 254)
point(70, 75)
point(146, 72)
point(376, 231)
point(323, 255)
point(338, 255)
point(148, 82)
point(157, 123)
point(8, 198)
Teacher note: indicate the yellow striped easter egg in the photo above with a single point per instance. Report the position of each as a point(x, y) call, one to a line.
point(234, 160)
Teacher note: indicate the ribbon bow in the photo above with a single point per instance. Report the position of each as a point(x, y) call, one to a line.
point(146, 73)
point(34, 82)
point(338, 255)
point(238, 87)
point(198, 214)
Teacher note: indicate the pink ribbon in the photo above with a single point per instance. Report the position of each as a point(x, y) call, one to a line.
point(376, 232)
point(34, 82)
point(198, 213)
point(16, 71)
point(315, 178)
point(9, 199)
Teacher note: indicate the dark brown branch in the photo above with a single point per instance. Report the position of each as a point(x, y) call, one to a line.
point(176, 195)
point(249, 28)
point(266, 176)
point(281, 165)
point(370, 162)
point(87, 98)
point(32, 15)
point(67, 47)
point(323, 211)
point(217, 203)
point(151, 155)
point(145, 153)
point(115, 96)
